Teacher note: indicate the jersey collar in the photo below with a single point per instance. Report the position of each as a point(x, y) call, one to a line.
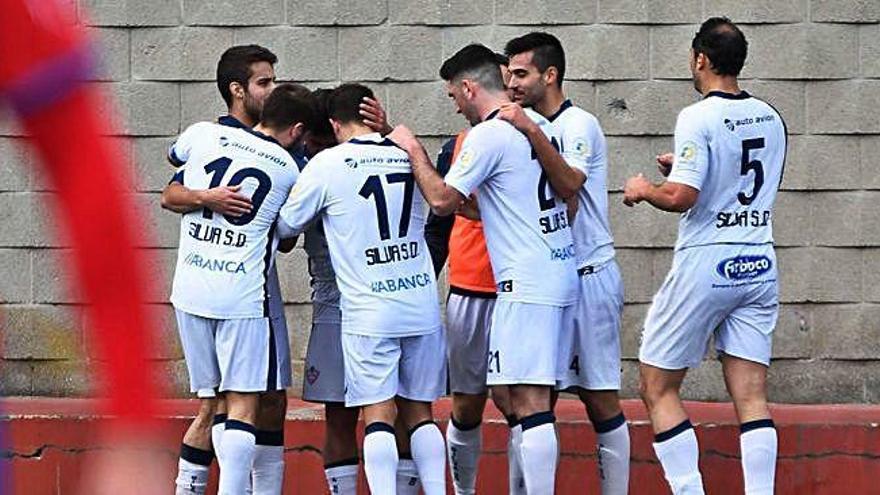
point(373, 138)
point(565, 106)
point(230, 121)
point(492, 114)
point(742, 95)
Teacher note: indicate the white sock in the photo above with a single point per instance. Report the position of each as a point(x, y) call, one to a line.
point(192, 470)
point(407, 477)
point(217, 433)
point(429, 452)
point(342, 479)
point(516, 480)
point(380, 458)
point(463, 448)
point(239, 445)
point(539, 451)
point(268, 473)
point(679, 455)
point(612, 438)
point(758, 443)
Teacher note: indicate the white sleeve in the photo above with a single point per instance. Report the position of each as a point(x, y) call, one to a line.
point(691, 151)
point(479, 155)
point(180, 149)
point(307, 198)
point(582, 144)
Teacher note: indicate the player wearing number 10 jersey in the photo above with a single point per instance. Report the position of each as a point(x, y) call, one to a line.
point(727, 167)
point(220, 290)
point(392, 339)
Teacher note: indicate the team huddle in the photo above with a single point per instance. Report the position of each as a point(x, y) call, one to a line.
point(517, 207)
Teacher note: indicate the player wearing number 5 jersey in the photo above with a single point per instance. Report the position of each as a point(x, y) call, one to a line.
point(392, 339)
point(220, 290)
point(727, 166)
point(530, 247)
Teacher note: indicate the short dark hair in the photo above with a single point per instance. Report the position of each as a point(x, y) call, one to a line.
point(546, 51)
point(475, 62)
point(235, 66)
point(289, 104)
point(322, 124)
point(344, 104)
point(723, 43)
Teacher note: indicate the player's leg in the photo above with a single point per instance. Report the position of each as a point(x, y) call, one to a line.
point(371, 382)
point(539, 445)
point(218, 425)
point(239, 442)
point(422, 381)
point(501, 399)
point(268, 473)
point(612, 438)
point(340, 448)
point(408, 482)
point(468, 320)
point(196, 453)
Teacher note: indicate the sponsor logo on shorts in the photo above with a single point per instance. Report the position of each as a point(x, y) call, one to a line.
point(744, 267)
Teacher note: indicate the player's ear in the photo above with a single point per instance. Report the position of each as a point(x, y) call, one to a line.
point(337, 129)
point(237, 90)
point(550, 75)
point(297, 132)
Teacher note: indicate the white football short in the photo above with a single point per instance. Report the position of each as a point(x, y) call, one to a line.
point(524, 343)
point(238, 355)
point(730, 291)
point(381, 368)
point(468, 320)
point(324, 373)
point(589, 347)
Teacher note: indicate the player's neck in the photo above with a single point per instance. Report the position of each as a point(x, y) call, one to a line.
point(491, 102)
point(241, 116)
point(723, 84)
point(550, 104)
point(352, 130)
point(267, 131)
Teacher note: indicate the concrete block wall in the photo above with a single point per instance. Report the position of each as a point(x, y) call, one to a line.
point(818, 61)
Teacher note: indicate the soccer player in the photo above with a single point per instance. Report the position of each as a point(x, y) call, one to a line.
point(220, 291)
point(323, 368)
point(392, 340)
point(589, 360)
point(245, 77)
point(530, 247)
point(727, 167)
point(468, 320)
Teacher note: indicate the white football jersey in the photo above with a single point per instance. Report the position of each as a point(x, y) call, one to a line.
point(374, 216)
point(526, 225)
point(223, 262)
point(582, 144)
point(732, 149)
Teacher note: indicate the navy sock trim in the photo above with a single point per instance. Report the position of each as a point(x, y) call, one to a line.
point(537, 419)
point(270, 438)
point(377, 427)
point(353, 461)
point(423, 423)
point(234, 424)
point(675, 431)
point(405, 456)
point(610, 424)
point(464, 426)
point(512, 421)
point(754, 425)
point(219, 418)
point(196, 455)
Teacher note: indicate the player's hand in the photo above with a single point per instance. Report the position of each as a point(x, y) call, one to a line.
point(634, 190)
point(513, 113)
point(664, 163)
point(227, 201)
point(403, 137)
point(374, 116)
point(469, 208)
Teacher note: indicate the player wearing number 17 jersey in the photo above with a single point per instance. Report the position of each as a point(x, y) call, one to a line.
point(220, 290)
point(727, 167)
point(392, 339)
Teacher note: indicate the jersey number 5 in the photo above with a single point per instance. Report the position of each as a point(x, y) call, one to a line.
point(746, 165)
point(373, 187)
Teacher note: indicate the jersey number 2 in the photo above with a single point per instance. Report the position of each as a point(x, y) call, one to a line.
point(373, 187)
point(755, 165)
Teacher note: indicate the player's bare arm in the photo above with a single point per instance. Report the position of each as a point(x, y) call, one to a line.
point(664, 163)
point(374, 116)
point(224, 200)
point(667, 196)
point(566, 180)
point(444, 200)
point(469, 209)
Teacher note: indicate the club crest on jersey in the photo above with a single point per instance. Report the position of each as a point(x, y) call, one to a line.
point(465, 158)
point(744, 267)
point(581, 149)
point(688, 152)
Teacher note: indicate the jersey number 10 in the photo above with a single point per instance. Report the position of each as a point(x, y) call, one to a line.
point(373, 187)
point(219, 167)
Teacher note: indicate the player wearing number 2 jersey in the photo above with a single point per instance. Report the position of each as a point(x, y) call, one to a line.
point(727, 166)
point(392, 339)
point(220, 290)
